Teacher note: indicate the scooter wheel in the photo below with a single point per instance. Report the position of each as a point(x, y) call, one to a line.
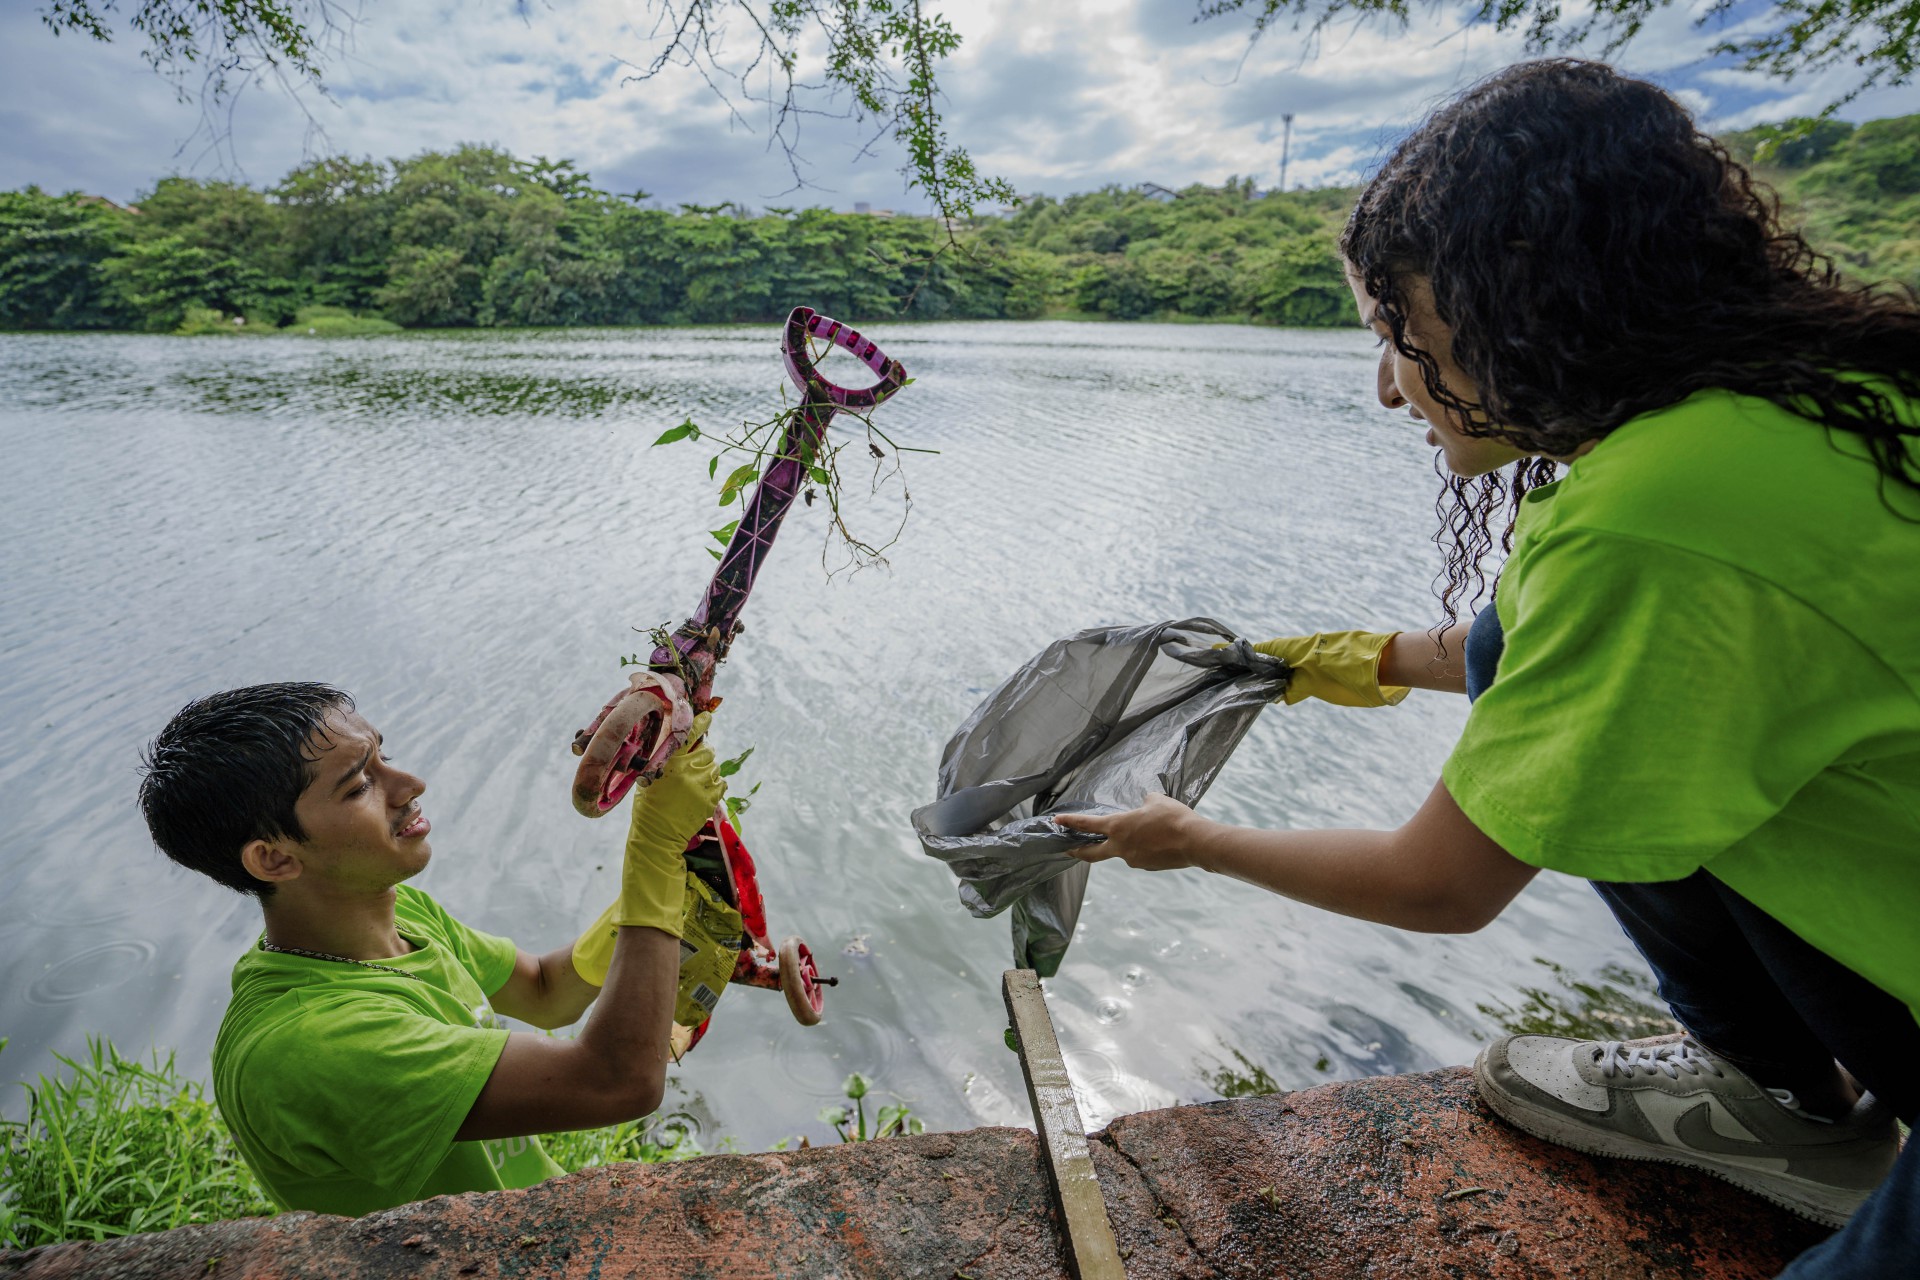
point(800, 982)
point(628, 734)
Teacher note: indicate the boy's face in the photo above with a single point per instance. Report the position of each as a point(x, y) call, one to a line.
point(362, 815)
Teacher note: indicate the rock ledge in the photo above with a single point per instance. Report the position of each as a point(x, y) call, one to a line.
point(1397, 1176)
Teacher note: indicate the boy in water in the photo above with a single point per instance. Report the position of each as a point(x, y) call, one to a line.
point(360, 1064)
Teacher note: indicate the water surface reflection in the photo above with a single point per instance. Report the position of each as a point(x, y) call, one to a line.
point(463, 529)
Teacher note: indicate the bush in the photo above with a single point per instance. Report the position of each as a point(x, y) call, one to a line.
point(1300, 282)
point(114, 1148)
point(334, 322)
point(198, 321)
point(650, 1141)
point(430, 288)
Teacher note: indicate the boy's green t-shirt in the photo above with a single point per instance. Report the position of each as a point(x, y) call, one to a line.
point(344, 1085)
point(1713, 660)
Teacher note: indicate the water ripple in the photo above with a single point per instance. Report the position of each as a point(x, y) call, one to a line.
point(466, 529)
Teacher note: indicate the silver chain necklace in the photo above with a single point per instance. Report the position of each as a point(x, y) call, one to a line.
point(326, 955)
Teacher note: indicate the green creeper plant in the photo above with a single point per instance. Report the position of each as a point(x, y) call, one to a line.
point(756, 441)
point(892, 1120)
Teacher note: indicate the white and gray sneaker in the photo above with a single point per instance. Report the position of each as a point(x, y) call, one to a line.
point(1669, 1099)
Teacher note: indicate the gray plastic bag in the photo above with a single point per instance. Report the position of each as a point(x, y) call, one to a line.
point(1095, 723)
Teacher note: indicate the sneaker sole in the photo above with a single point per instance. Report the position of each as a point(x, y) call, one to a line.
point(1828, 1206)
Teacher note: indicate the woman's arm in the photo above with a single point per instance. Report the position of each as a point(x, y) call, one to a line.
point(1437, 874)
point(1414, 659)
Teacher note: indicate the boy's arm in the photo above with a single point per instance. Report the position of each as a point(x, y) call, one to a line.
point(545, 991)
point(614, 1070)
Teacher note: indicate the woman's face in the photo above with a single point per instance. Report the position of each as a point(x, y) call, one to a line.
point(1400, 383)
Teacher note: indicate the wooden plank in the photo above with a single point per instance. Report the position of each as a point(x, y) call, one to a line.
point(1092, 1252)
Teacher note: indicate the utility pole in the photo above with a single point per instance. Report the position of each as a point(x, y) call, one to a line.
point(1286, 142)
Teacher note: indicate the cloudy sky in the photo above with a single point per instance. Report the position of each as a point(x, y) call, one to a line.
point(1055, 95)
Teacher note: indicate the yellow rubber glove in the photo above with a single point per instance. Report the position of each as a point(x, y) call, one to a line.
point(1341, 667)
point(653, 879)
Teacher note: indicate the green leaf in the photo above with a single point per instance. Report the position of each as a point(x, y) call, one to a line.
point(820, 475)
point(684, 431)
point(856, 1086)
point(724, 534)
point(741, 476)
point(713, 466)
point(833, 1115)
point(730, 767)
point(715, 554)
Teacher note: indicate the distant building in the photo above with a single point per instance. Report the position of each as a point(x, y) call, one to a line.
point(1154, 191)
point(104, 203)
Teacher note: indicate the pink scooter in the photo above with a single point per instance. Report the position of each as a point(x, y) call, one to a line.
point(647, 722)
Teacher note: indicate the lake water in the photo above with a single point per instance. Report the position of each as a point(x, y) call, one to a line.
point(463, 529)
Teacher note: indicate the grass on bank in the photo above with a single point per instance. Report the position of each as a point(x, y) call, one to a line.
point(113, 1146)
point(308, 322)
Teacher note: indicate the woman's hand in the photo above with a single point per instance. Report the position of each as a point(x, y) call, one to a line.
point(1437, 873)
point(1158, 836)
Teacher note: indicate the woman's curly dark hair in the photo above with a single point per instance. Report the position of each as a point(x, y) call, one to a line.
point(1599, 257)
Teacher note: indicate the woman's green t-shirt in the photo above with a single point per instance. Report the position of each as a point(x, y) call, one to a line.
point(344, 1085)
point(1713, 660)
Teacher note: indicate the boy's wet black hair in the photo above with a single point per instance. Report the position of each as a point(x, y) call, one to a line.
point(227, 769)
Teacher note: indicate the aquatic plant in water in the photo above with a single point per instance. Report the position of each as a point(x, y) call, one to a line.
point(1248, 1080)
point(895, 1119)
point(1618, 1005)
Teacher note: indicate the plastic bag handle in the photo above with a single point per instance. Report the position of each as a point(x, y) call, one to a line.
point(805, 321)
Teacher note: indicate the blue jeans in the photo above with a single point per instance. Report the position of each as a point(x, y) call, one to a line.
point(1783, 1011)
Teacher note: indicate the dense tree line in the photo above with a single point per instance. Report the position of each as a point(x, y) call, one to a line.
point(478, 237)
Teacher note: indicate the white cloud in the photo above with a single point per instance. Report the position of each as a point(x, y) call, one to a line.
point(1058, 97)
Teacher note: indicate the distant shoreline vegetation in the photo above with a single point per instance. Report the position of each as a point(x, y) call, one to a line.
point(477, 237)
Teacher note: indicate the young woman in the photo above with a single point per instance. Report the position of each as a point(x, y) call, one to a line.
point(1698, 684)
